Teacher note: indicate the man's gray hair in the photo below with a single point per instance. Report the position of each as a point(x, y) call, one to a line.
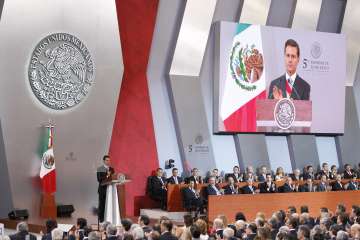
point(111, 230)
point(228, 233)
point(342, 235)
point(22, 226)
point(138, 233)
point(57, 234)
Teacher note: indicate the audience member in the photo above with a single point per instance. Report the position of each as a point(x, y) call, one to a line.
point(174, 179)
point(22, 233)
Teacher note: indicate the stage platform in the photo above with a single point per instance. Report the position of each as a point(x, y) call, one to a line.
point(177, 217)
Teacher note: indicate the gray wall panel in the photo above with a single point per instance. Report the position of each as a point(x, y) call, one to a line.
point(6, 203)
point(331, 16)
point(281, 13)
point(82, 134)
point(303, 151)
point(167, 25)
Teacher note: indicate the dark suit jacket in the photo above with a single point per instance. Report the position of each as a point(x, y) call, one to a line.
point(307, 176)
point(102, 177)
point(261, 178)
point(264, 188)
point(228, 191)
point(167, 236)
point(22, 236)
point(321, 188)
point(210, 190)
point(337, 186)
point(192, 178)
point(352, 186)
point(246, 190)
point(301, 89)
point(171, 180)
point(156, 185)
point(188, 197)
point(236, 179)
point(293, 177)
point(286, 188)
point(306, 188)
point(349, 175)
point(251, 236)
point(328, 176)
point(46, 237)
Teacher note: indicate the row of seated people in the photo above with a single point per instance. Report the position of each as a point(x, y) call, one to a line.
point(157, 186)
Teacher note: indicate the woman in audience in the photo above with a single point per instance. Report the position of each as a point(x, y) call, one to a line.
point(280, 174)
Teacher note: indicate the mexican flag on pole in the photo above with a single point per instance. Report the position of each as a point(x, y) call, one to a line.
point(47, 171)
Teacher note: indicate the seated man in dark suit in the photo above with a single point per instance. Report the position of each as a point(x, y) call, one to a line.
point(158, 190)
point(249, 188)
point(166, 228)
point(212, 189)
point(194, 177)
point(325, 171)
point(290, 85)
point(288, 186)
point(23, 232)
point(262, 174)
point(175, 179)
point(236, 175)
point(50, 225)
point(308, 186)
point(337, 185)
point(214, 173)
point(353, 184)
point(349, 173)
point(268, 186)
point(192, 198)
point(296, 176)
point(323, 185)
point(231, 187)
point(309, 173)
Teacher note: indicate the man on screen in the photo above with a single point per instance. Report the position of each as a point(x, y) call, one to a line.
point(290, 85)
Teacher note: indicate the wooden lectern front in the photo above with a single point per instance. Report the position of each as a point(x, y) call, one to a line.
point(266, 116)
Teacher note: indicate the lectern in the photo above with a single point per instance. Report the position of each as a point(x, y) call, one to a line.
point(283, 116)
point(112, 208)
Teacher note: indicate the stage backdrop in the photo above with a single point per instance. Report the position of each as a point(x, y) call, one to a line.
point(250, 57)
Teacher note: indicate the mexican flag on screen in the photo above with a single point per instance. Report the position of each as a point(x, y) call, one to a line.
point(47, 171)
point(245, 80)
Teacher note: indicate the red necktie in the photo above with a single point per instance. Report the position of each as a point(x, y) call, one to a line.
point(288, 88)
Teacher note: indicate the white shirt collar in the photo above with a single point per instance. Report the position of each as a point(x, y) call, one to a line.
point(107, 167)
point(292, 78)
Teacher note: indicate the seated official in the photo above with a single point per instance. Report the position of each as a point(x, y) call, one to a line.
point(214, 173)
point(231, 187)
point(279, 174)
point(158, 190)
point(249, 188)
point(323, 186)
point(192, 198)
point(23, 232)
point(325, 170)
point(288, 186)
point(236, 175)
point(353, 184)
point(175, 179)
point(250, 174)
point(337, 185)
point(194, 177)
point(349, 173)
point(296, 176)
point(309, 173)
point(269, 186)
point(308, 186)
point(334, 170)
point(261, 177)
point(212, 189)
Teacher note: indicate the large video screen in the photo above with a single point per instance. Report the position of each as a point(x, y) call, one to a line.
point(278, 80)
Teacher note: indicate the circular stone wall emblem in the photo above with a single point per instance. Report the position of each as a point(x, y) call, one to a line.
point(284, 113)
point(61, 71)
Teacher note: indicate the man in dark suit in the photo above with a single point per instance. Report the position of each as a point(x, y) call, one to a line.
point(158, 190)
point(309, 173)
point(174, 179)
point(268, 186)
point(236, 175)
point(23, 232)
point(308, 186)
point(194, 177)
point(290, 85)
point(349, 173)
point(165, 228)
point(212, 189)
point(192, 198)
point(323, 185)
point(325, 170)
point(249, 188)
point(231, 187)
point(296, 176)
point(337, 185)
point(104, 175)
point(288, 186)
point(262, 174)
point(214, 173)
point(353, 184)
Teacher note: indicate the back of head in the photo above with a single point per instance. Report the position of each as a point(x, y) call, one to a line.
point(166, 225)
point(317, 233)
point(94, 236)
point(50, 225)
point(138, 233)
point(22, 227)
point(111, 230)
point(195, 231)
point(228, 233)
point(240, 216)
point(342, 235)
point(218, 223)
point(81, 223)
point(264, 233)
point(126, 223)
point(305, 230)
point(57, 234)
point(145, 219)
point(202, 226)
point(188, 220)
